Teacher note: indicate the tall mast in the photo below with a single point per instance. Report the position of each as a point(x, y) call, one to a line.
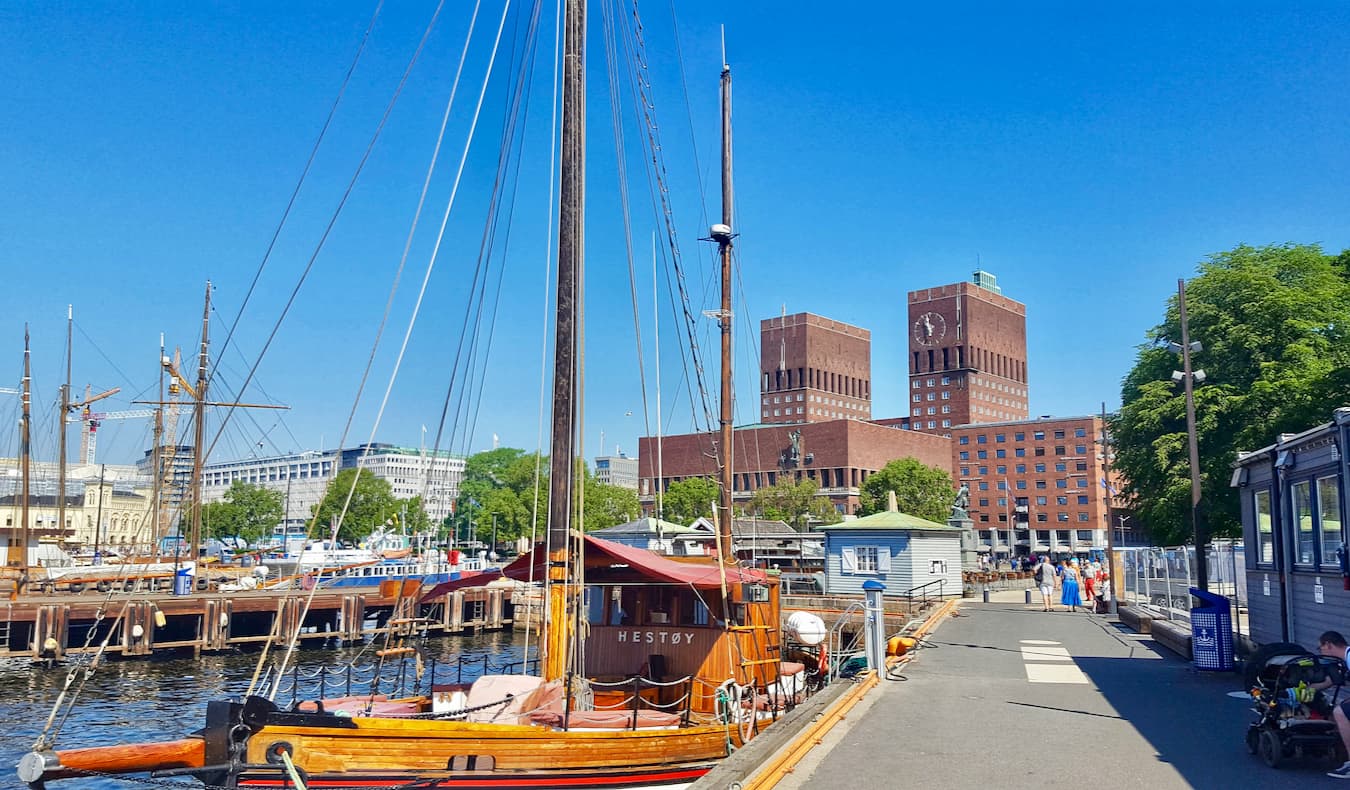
point(157, 457)
point(571, 214)
point(61, 429)
point(722, 234)
point(199, 432)
point(25, 452)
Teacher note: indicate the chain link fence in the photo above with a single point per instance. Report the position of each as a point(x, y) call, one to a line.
point(1160, 579)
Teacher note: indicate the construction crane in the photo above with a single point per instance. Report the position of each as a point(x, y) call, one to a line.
point(85, 418)
point(91, 421)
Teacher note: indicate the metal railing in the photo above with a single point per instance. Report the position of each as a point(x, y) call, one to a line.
point(1160, 578)
point(923, 592)
point(394, 678)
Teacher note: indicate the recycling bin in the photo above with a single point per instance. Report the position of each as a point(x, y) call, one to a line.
point(1212, 632)
point(182, 582)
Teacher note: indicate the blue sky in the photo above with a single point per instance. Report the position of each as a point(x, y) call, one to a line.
point(1088, 156)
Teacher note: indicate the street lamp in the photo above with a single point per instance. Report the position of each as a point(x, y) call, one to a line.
point(1190, 378)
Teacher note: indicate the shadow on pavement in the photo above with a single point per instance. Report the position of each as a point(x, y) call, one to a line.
point(1191, 722)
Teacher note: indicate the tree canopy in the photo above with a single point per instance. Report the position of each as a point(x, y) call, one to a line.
point(923, 491)
point(795, 502)
point(1274, 323)
point(248, 512)
point(686, 501)
point(373, 503)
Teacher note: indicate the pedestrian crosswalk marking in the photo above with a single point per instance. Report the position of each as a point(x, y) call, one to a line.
point(1041, 658)
point(1042, 653)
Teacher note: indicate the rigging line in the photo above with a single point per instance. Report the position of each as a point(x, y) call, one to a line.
point(106, 358)
point(417, 216)
point(689, 114)
point(548, 286)
point(664, 212)
point(445, 219)
point(616, 112)
point(520, 109)
point(304, 173)
point(412, 320)
point(266, 395)
point(332, 221)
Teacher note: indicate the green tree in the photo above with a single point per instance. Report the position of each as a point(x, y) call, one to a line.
point(247, 512)
point(372, 504)
point(1273, 322)
point(607, 505)
point(923, 491)
point(687, 500)
point(795, 502)
point(501, 484)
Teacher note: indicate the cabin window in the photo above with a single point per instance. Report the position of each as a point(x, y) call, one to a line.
point(1329, 511)
point(1305, 537)
point(865, 559)
point(595, 605)
point(700, 612)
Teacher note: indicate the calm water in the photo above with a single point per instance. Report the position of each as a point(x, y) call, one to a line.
point(140, 700)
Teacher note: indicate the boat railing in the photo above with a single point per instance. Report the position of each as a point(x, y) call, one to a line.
point(393, 678)
point(636, 702)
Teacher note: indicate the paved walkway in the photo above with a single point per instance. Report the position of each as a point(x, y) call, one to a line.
point(1009, 696)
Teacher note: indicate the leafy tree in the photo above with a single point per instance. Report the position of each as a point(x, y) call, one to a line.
point(372, 504)
point(501, 483)
point(607, 505)
point(247, 512)
point(923, 491)
point(1275, 325)
point(687, 500)
point(795, 502)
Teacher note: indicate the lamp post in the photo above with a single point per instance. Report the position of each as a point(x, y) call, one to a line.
point(1188, 378)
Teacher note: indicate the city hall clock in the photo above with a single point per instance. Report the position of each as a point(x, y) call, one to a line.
point(930, 328)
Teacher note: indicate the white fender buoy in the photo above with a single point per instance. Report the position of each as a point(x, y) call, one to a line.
point(806, 628)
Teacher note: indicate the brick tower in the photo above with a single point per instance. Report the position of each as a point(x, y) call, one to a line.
point(967, 356)
point(813, 369)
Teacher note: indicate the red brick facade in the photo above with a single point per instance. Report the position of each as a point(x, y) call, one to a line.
point(1051, 468)
point(813, 369)
point(967, 357)
point(838, 454)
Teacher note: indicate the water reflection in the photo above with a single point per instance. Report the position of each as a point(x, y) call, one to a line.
point(164, 699)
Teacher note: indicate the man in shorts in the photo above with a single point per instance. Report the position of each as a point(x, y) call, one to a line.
point(1045, 580)
point(1333, 644)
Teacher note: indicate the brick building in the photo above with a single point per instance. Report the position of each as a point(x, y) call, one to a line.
point(814, 369)
point(1046, 472)
point(967, 356)
point(838, 454)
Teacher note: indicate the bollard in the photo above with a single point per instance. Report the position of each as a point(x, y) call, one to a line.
point(1028, 592)
point(986, 593)
point(874, 641)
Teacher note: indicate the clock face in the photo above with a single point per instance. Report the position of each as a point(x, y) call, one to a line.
point(930, 328)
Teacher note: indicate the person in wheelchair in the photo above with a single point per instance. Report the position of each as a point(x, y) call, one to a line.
point(1332, 645)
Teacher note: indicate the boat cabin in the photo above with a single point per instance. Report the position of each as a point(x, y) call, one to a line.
point(666, 621)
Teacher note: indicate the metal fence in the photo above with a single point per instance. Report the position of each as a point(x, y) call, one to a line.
point(1160, 579)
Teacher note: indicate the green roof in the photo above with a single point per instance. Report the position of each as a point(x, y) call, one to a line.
point(894, 520)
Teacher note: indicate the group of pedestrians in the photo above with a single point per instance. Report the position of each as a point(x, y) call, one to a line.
point(1076, 583)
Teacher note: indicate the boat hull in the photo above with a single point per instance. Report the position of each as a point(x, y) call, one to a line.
point(671, 778)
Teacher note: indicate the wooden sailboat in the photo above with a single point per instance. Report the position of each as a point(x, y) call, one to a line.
point(653, 668)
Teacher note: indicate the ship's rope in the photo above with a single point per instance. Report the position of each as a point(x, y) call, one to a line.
point(300, 182)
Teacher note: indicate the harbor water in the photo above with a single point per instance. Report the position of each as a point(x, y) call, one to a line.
point(165, 699)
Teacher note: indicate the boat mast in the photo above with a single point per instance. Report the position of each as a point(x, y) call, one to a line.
point(199, 432)
point(25, 454)
point(61, 429)
point(156, 459)
point(562, 464)
point(722, 234)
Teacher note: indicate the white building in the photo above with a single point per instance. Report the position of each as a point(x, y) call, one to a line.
point(617, 470)
point(302, 477)
point(434, 476)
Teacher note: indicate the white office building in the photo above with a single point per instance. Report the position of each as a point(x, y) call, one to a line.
point(617, 470)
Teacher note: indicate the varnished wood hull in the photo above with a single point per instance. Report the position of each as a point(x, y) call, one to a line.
point(671, 778)
point(417, 748)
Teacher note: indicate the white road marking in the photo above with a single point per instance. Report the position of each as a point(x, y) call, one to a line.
point(1041, 659)
point(1055, 673)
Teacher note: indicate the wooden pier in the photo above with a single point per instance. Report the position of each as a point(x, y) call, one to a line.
point(50, 627)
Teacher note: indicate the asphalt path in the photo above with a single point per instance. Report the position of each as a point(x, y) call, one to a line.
point(1008, 696)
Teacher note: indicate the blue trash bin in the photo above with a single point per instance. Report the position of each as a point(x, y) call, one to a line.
point(182, 582)
point(1212, 632)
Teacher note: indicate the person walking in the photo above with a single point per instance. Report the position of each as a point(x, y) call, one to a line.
point(1070, 595)
point(1044, 574)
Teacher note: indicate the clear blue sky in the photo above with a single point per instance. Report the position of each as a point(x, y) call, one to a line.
point(1088, 156)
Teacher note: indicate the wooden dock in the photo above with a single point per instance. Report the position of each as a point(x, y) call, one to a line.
point(45, 627)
